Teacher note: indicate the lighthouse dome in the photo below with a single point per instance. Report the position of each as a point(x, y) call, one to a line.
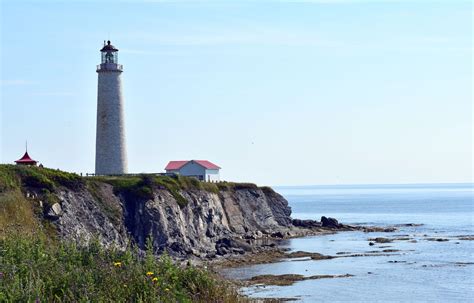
point(108, 47)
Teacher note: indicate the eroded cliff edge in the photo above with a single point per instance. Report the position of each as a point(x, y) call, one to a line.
point(183, 216)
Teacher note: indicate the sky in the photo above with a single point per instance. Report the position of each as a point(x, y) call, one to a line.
point(275, 92)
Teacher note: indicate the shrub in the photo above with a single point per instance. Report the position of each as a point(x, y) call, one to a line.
point(11, 176)
point(32, 269)
point(132, 187)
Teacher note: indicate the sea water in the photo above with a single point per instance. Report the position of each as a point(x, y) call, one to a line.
point(422, 270)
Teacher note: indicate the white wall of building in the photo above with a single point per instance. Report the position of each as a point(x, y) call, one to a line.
point(193, 169)
point(212, 175)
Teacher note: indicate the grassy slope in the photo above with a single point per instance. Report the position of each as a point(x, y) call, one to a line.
point(34, 265)
point(33, 268)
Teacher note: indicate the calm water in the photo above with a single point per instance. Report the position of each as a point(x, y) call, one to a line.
point(425, 271)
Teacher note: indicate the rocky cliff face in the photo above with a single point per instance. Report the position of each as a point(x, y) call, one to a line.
point(206, 224)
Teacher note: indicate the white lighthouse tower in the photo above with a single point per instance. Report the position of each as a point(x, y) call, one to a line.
point(110, 154)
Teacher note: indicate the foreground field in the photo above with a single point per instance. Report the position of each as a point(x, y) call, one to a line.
point(34, 269)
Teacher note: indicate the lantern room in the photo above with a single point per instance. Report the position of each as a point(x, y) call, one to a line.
point(109, 53)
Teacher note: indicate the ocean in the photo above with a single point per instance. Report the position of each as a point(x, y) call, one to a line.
point(421, 270)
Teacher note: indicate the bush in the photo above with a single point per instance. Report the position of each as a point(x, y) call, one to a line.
point(32, 269)
point(132, 187)
point(12, 176)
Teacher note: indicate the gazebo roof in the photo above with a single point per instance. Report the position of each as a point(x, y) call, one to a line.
point(26, 159)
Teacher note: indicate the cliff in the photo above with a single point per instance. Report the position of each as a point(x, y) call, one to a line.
point(182, 215)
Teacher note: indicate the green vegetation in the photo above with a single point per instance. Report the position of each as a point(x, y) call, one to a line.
point(35, 270)
point(131, 187)
point(229, 186)
point(14, 176)
point(141, 187)
point(17, 215)
point(36, 267)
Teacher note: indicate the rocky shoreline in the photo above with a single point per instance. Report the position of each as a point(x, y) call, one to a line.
point(393, 245)
point(264, 250)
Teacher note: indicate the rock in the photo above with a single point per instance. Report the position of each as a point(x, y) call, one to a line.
point(188, 220)
point(55, 211)
point(221, 251)
point(250, 237)
point(178, 248)
point(306, 223)
point(329, 222)
point(238, 251)
point(289, 279)
point(437, 239)
point(278, 234)
point(371, 229)
point(269, 245)
point(371, 243)
point(380, 240)
point(229, 244)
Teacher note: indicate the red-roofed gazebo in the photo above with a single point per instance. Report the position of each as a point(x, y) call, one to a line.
point(26, 160)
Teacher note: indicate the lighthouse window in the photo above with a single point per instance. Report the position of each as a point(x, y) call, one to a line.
point(109, 57)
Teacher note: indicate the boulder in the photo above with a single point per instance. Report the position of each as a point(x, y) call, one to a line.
point(329, 222)
point(226, 244)
point(306, 223)
point(55, 211)
point(278, 234)
point(221, 251)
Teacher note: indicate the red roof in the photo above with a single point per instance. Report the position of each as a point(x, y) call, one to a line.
point(175, 165)
point(206, 164)
point(172, 165)
point(26, 159)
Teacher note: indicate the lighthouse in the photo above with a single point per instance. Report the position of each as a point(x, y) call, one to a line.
point(110, 153)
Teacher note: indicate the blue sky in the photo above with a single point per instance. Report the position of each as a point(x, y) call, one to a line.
point(275, 92)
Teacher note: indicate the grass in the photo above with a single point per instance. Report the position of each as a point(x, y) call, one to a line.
point(17, 214)
point(16, 176)
point(230, 186)
point(35, 270)
point(141, 187)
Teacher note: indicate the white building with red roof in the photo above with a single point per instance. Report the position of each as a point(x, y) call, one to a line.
point(200, 169)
